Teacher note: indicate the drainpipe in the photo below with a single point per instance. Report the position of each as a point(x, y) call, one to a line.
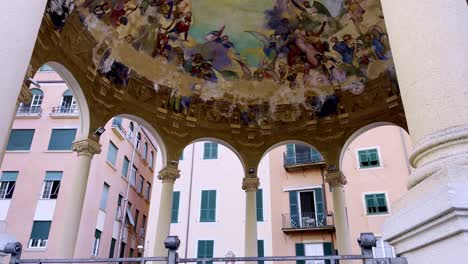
point(189, 201)
point(129, 173)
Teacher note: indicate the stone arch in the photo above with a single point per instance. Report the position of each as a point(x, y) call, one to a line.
point(359, 132)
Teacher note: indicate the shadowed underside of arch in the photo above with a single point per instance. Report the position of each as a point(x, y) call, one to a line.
point(251, 74)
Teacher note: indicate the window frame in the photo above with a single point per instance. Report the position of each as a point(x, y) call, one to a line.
point(141, 183)
point(41, 243)
point(211, 155)
point(61, 128)
point(379, 155)
point(9, 188)
point(48, 196)
point(105, 186)
point(113, 162)
point(148, 191)
point(201, 208)
point(126, 161)
point(20, 150)
point(96, 243)
point(378, 213)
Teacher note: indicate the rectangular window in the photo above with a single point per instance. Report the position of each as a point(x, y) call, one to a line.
point(39, 234)
point(104, 195)
point(133, 175)
point(368, 158)
point(130, 253)
point(383, 249)
point(125, 165)
point(137, 214)
point(112, 153)
point(7, 184)
point(96, 242)
point(376, 203)
point(122, 249)
point(259, 205)
point(118, 214)
point(140, 184)
point(112, 248)
point(260, 250)
point(210, 150)
point(51, 186)
point(175, 207)
point(20, 139)
point(205, 250)
point(128, 214)
point(62, 139)
point(148, 191)
point(208, 206)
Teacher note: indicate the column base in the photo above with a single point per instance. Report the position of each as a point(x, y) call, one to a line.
point(430, 223)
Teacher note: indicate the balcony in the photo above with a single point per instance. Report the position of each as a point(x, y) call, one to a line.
point(65, 112)
point(302, 160)
point(307, 221)
point(118, 129)
point(29, 112)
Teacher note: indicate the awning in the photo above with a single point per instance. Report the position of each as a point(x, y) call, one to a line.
point(130, 217)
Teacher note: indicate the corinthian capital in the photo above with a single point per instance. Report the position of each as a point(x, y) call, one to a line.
point(170, 173)
point(250, 184)
point(87, 147)
point(335, 178)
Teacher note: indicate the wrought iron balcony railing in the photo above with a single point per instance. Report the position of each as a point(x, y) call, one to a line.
point(302, 158)
point(29, 111)
point(118, 128)
point(307, 221)
point(65, 110)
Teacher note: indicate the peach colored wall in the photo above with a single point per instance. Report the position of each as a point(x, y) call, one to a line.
point(33, 164)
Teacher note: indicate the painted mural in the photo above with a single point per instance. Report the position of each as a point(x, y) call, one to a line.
point(274, 52)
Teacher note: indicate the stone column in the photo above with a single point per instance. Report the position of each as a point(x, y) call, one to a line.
point(68, 226)
point(250, 186)
point(20, 21)
point(168, 175)
point(429, 44)
point(337, 180)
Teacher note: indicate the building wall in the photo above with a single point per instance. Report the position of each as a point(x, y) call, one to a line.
point(26, 205)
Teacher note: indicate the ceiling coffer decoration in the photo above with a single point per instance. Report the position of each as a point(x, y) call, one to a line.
point(248, 63)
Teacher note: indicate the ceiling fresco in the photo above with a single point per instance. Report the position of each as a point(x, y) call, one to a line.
point(253, 56)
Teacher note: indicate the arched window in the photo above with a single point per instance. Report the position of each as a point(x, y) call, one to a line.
point(36, 102)
point(68, 103)
point(138, 141)
point(151, 160)
point(131, 127)
point(145, 151)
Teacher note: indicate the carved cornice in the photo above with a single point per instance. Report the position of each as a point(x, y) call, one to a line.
point(336, 178)
point(250, 184)
point(169, 174)
point(86, 147)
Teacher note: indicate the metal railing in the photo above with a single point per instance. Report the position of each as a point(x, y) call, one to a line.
point(29, 111)
point(66, 110)
point(301, 158)
point(307, 220)
point(118, 125)
point(367, 241)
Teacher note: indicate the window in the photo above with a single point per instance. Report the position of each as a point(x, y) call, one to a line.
point(39, 234)
point(7, 184)
point(148, 191)
point(131, 127)
point(122, 249)
point(61, 139)
point(151, 160)
point(130, 253)
point(138, 141)
point(96, 242)
point(208, 206)
point(260, 250)
point(314, 249)
point(137, 214)
point(140, 184)
point(133, 175)
point(20, 139)
point(51, 186)
point(368, 158)
point(259, 205)
point(307, 208)
point(383, 249)
point(143, 223)
point(112, 248)
point(128, 215)
point(175, 207)
point(301, 154)
point(112, 153)
point(68, 104)
point(105, 194)
point(125, 165)
point(145, 151)
point(376, 204)
point(205, 250)
point(118, 214)
point(210, 150)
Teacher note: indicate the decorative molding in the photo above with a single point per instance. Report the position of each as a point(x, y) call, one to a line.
point(336, 178)
point(175, 133)
point(251, 144)
point(169, 174)
point(250, 184)
point(86, 147)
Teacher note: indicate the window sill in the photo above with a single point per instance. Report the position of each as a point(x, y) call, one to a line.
point(18, 151)
point(58, 151)
point(35, 249)
point(378, 214)
point(111, 165)
point(370, 168)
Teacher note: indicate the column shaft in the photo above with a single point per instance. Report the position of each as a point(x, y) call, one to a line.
point(250, 186)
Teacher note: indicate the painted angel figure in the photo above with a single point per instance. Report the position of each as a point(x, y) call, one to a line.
point(271, 45)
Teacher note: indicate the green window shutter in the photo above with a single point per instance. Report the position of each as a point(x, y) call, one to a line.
point(260, 250)
point(204, 207)
point(259, 205)
point(201, 249)
point(20, 139)
point(112, 153)
point(373, 157)
point(376, 203)
point(112, 248)
point(175, 207)
point(53, 175)
point(205, 250)
point(328, 251)
point(319, 206)
point(294, 209)
point(300, 252)
point(9, 176)
point(206, 150)
point(212, 206)
point(97, 234)
point(62, 139)
point(214, 150)
point(209, 249)
point(125, 165)
point(290, 150)
point(208, 206)
point(40, 230)
point(210, 150)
